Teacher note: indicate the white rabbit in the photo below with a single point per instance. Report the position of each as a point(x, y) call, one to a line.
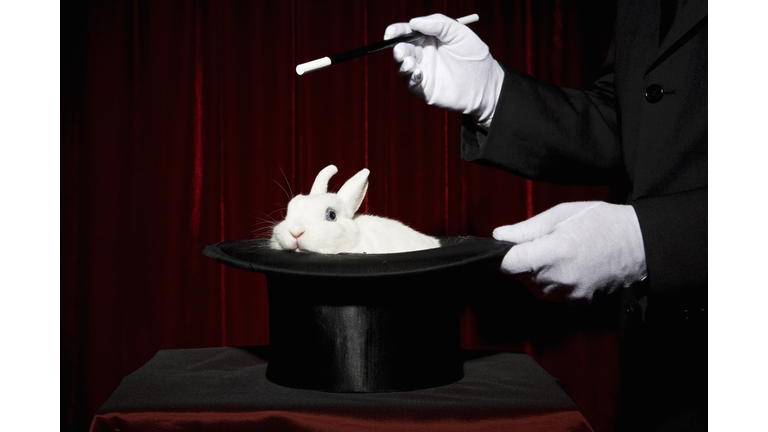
point(326, 223)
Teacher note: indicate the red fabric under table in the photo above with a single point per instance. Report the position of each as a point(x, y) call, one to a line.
point(225, 389)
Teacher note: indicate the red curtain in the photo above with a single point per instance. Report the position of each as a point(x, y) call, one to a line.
point(184, 124)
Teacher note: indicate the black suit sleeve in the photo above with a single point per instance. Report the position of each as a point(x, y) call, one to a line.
point(550, 133)
point(674, 228)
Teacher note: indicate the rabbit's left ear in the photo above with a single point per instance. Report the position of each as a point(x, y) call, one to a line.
point(354, 190)
point(320, 186)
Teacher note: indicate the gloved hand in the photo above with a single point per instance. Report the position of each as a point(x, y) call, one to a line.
point(450, 68)
point(574, 250)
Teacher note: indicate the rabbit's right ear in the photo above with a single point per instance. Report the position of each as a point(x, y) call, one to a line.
point(321, 181)
point(354, 190)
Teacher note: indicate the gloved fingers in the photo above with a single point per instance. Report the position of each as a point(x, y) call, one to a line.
point(541, 224)
point(408, 56)
point(418, 53)
point(532, 256)
point(415, 85)
point(535, 276)
point(517, 233)
point(516, 261)
point(407, 66)
point(437, 25)
point(396, 30)
point(528, 230)
point(403, 50)
point(416, 78)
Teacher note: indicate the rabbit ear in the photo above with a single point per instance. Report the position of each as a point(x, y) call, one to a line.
point(354, 190)
point(321, 181)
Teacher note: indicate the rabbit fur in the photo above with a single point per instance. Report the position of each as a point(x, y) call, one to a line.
point(326, 223)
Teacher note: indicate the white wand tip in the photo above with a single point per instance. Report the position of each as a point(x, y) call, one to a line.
point(313, 65)
point(469, 19)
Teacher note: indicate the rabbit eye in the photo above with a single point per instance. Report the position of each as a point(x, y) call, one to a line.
point(330, 215)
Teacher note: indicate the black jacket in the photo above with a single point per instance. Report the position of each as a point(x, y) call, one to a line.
point(643, 126)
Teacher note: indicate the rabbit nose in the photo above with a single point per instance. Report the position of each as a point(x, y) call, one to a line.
point(296, 232)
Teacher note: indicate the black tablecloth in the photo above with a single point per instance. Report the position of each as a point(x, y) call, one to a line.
point(225, 389)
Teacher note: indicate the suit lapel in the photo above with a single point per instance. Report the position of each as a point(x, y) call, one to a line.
point(692, 14)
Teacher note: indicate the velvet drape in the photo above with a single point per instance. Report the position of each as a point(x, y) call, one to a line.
point(184, 124)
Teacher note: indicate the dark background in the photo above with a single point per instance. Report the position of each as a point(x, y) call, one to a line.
point(183, 123)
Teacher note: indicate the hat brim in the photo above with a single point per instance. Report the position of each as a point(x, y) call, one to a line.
point(255, 255)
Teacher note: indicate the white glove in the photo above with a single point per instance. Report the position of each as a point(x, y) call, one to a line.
point(450, 68)
point(574, 250)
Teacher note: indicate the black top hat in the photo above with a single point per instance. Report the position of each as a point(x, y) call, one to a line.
point(364, 322)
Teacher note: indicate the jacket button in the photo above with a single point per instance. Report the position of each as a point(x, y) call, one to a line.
point(654, 93)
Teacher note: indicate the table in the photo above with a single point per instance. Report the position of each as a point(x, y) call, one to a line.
point(225, 389)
